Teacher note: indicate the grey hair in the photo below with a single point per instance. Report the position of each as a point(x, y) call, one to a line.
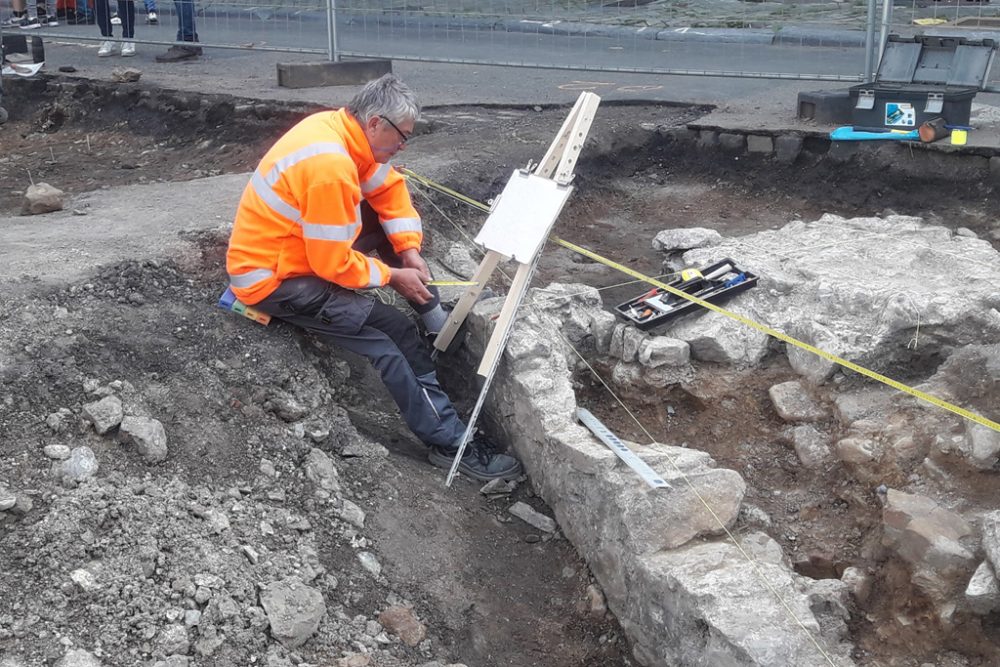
point(385, 96)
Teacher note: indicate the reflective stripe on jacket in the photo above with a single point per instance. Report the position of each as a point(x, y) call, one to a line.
point(300, 213)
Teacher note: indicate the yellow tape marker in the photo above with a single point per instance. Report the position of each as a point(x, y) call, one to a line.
point(916, 393)
point(452, 283)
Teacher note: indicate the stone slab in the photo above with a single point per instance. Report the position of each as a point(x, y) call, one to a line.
point(327, 73)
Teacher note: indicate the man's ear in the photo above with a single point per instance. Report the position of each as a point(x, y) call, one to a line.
point(372, 123)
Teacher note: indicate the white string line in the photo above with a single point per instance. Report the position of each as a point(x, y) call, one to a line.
point(750, 560)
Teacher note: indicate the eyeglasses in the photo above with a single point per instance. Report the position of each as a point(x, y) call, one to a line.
point(398, 131)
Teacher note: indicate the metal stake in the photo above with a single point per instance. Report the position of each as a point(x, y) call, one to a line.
point(331, 31)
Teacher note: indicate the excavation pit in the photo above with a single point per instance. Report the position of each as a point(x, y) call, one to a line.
point(248, 410)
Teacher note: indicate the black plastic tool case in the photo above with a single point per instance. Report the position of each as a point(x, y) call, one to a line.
point(921, 78)
point(658, 306)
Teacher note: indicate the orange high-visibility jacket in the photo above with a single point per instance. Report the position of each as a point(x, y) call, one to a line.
point(301, 211)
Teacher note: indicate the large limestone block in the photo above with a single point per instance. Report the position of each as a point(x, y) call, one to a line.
point(794, 404)
point(712, 607)
point(929, 538)
point(656, 519)
point(720, 339)
point(854, 279)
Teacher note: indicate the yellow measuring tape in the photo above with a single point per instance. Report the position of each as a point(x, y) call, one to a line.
point(916, 393)
point(452, 283)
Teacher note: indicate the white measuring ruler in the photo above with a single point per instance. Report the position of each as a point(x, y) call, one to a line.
point(618, 447)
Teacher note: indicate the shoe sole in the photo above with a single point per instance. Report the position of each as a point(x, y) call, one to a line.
point(442, 461)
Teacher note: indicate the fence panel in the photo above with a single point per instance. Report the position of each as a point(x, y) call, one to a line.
point(733, 38)
point(708, 37)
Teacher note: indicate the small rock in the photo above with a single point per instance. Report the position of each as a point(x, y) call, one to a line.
point(217, 521)
point(250, 553)
point(354, 660)
point(597, 607)
point(370, 563)
point(125, 74)
point(402, 622)
point(81, 465)
point(351, 513)
point(148, 435)
point(293, 609)
point(7, 500)
point(57, 420)
point(67, 69)
point(22, 506)
point(793, 403)
point(42, 198)
point(57, 452)
point(498, 487)
point(84, 579)
point(525, 513)
point(78, 658)
point(685, 239)
point(174, 639)
point(105, 414)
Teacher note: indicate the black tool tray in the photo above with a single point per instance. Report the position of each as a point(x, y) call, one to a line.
point(712, 283)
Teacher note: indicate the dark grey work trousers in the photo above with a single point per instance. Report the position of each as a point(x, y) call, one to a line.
point(382, 334)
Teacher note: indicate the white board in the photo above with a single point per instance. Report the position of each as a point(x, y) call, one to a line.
point(523, 215)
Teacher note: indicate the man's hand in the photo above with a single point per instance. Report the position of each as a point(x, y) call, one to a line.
point(410, 285)
point(412, 260)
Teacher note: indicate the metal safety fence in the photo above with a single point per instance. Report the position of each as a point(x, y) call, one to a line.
point(724, 38)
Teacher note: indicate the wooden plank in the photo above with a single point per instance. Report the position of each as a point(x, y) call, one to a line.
point(468, 300)
point(576, 138)
point(506, 319)
point(547, 166)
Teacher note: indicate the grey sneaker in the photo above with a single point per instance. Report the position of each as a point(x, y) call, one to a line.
point(177, 53)
point(479, 461)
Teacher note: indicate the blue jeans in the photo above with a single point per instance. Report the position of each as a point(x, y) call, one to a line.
point(126, 12)
point(185, 21)
point(150, 5)
point(82, 9)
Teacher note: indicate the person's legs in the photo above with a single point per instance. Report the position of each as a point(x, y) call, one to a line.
point(83, 13)
point(185, 21)
point(126, 11)
point(103, 12)
point(386, 338)
point(19, 11)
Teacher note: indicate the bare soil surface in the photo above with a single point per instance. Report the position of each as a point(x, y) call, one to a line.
point(490, 589)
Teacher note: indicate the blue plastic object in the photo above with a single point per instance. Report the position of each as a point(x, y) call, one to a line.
point(848, 133)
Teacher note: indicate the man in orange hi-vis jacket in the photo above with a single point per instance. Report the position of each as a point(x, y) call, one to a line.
point(323, 197)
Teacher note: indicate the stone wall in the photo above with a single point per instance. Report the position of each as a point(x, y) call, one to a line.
point(683, 591)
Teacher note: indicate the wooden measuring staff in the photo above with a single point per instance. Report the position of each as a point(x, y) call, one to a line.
point(518, 224)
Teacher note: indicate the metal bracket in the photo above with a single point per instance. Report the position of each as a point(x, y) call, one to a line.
point(866, 99)
point(935, 103)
